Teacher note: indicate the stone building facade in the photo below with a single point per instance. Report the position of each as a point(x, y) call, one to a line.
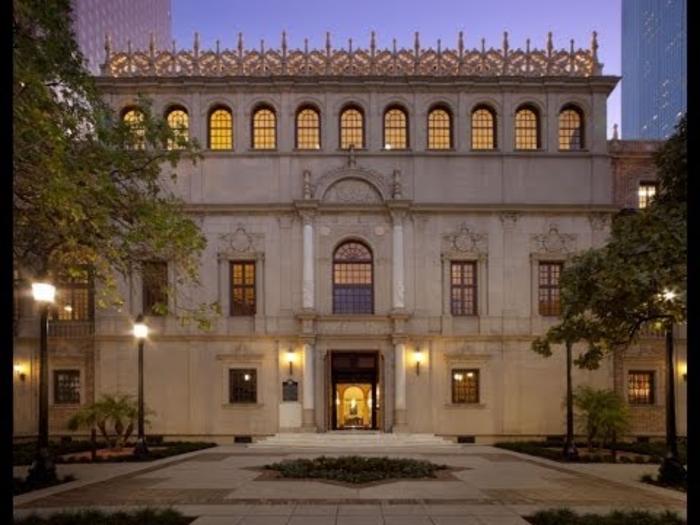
point(382, 271)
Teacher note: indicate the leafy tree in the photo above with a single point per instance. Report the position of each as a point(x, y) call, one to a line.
point(85, 192)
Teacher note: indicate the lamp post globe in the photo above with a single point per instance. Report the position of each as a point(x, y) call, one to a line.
point(140, 333)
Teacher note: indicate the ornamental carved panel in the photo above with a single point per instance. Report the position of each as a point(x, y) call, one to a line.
point(553, 241)
point(465, 240)
point(350, 191)
point(240, 241)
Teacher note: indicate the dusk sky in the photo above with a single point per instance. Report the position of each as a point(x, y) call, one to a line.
point(443, 19)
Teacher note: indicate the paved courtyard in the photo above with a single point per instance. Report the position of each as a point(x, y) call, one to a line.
point(222, 487)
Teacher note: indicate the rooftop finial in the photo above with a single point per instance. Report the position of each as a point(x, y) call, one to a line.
point(284, 43)
point(505, 42)
point(306, 46)
point(174, 47)
point(527, 46)
point(240, 45)
point(615, 136)
point(328, 43)
point(550, 45)
point(460, 43)
point(483, 45)
point(128, 46)
point(152, 43)
point(196, 43)
point(108, 46)
point(394, 45)
point(372, 43)
point(416, 43)
point(218, 47)
point(572, 47)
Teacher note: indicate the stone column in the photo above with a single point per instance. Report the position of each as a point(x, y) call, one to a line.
point(400, 387)
point(398, 286)
point(308, 415)
point(308, 267)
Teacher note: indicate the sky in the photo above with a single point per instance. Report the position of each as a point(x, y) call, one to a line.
point(434, 19)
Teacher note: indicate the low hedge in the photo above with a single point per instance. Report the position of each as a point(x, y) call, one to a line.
point(565, 516)
point(356, 469)
point(21, 486)
point(93, 517)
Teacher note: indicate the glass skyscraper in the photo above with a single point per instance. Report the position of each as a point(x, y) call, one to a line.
point(654, 92)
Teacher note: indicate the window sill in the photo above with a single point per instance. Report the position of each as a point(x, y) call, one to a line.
point(65, 405)
point(246, 406)
point(477, 406)
point(484, 150)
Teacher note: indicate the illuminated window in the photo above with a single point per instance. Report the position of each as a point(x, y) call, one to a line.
point(527, 129)
point(647, 191)
point(640, 387)
point(74, 298)
point(179, 123)
point(395, 129)
point(154, 280)
point(264, 129)
point(463, 288)
point(352, 279)
point(483, 128)
point(439, 129)
point(242, 288)
point(221, 129)
point(549, 274)
point(352, 129)
point(308, 129)
point(243, 385)
point(66, 387)
point(570, 129)
point(134, 118)
point(465, 385)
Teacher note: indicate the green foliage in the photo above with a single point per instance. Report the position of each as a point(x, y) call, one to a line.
point(21, 486)
point(92, 517)
point(355, 469)
point(566, 516)
point(84, 195)
point(603, 415)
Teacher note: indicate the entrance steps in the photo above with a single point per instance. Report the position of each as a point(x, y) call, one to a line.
point(356, 440)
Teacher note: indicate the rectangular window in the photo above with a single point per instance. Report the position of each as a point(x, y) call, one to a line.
point(640, 387)
point(155, 287)
point(66, 385)
point(548, 277)
point(243, 385)
point(463, 288)
point(74, 298)
point(647, 191)
point(243, 288)
point(465, 385)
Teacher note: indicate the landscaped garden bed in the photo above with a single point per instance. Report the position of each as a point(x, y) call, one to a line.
point(93, 517)
point(22, 486)
point(356, 469)
point(567, 517)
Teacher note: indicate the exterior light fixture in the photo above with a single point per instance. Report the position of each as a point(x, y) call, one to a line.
point(418, 355)
point(21, 371)
point(669, 295)
point(683, 369)
point(43, 292)
point(290, 360)
point(140, 328)
point(141, 333)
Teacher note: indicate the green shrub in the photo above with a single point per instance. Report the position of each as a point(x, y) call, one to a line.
point(94, 517)
point(602, 415)
point(21, 486)
point(567, 517)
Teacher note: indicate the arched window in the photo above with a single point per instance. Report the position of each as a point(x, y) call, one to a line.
point(439, 129)
point(483, 128)
point(264, 128)
point(220, 129)
point(570, 128)
point(179, 123)
point(133, 117)
point(308, 129)
point(527, 128)
point(352, 128)
point(395, 129)
point(352, 279)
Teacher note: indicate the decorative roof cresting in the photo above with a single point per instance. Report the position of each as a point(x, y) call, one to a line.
point(349, 62)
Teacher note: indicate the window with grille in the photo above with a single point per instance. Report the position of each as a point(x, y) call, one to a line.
point(640, 387)
point(243, 385)
point(264, 129)
point(74, 298)
point(352, 279)
point(134, 119)
point(527, 129)
point(154, 276)
point(395, 129)
point(308, 129)
point(463, 288)
point(548, 278)
point(66, 387)
point(352, 129)
point(647, 191)
point(483, 128)
point(570, 129)
point(179, 123)
point(243, 288)
point(221, 129)
point(439, 129)
point(465, 385)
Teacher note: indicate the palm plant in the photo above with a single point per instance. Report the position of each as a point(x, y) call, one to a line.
point(603, 416)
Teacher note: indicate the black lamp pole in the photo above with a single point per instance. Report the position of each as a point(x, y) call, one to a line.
point(671, 469)
point(141, 449)
point(570, 452)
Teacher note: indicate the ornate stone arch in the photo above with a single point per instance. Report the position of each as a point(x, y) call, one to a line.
point(374, 183)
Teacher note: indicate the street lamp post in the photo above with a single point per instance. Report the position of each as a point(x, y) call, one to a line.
point(570, 451)
point(140, 333)
point(43, 470)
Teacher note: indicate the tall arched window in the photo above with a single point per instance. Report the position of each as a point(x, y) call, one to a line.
point(352, 128)
point(527, 128)
point(308, 129)
point(395, 129)
point(570, 128)
point(264, 128)
point(353, 290)
point(179, 123)
point(220, 129)
point(483, 128)
point(133, 117)
point(439, 129)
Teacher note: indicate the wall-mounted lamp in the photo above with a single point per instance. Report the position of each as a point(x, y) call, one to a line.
point(418, 356)
point(21, 371)
point(683, 369)
point(290, 359)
